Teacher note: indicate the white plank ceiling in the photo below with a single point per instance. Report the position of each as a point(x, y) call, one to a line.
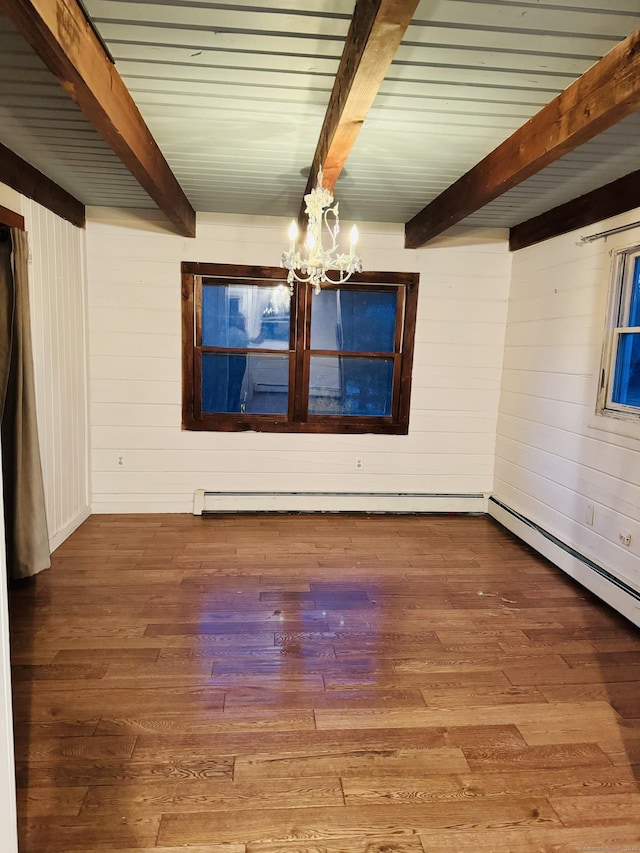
point(235, 95)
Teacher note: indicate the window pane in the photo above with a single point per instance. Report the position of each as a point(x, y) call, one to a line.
point(634, 307)
point(253, 383)
point(245, 316)
point(340, 385)
point(626, 383)
point(353, 320)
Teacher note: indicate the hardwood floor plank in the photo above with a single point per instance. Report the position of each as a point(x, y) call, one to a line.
point(313, 743)
point(52, 703)
point(50, 802)
point(54, 729)
point(349, 676)
point(52, 773)
point(109, 802)
point(319, 684)
point(543, 782)
point(537, 757)
point(107, 655)
point(433, 760)
point(180, 848)
point(599, 810)
point(460, 697)
point(60, 834)
point(540, 714)
point(211, 722)
point(74, 748)
point(246, 697)
point(536, 674)
point(536, 840)
point(615, 644)
point(58, 672)
point(391, 844)
point(359, 822)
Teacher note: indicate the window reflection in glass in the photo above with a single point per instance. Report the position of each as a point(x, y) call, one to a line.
point(246, 316)
point(343, 385)
point(255, 383)
point(353, 320)
point(626, 383)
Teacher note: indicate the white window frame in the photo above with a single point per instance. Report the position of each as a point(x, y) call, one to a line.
point(620, 292)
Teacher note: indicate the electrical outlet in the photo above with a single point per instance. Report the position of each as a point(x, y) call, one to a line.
point(359, 463)
point(624, 537)
point(120, 460)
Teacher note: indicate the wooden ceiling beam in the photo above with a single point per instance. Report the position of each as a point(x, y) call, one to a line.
point(60, 34)
point(375, 33)
point(604, 95)
point(23, 178)
point(617, 197)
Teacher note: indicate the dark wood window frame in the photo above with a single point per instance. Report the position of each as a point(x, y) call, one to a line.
point(11, 219)
point(296, 419)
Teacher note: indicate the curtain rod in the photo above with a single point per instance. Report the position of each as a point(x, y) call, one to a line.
point(602, 234)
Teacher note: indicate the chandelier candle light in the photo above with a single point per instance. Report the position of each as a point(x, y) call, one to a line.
point(315, 268)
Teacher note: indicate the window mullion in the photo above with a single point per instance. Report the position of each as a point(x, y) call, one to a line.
point(299, 368)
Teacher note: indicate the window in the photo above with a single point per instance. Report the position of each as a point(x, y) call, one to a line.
point(620, 377)
point(256, 357)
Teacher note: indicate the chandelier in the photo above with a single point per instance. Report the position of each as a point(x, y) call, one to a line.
point(319, 262)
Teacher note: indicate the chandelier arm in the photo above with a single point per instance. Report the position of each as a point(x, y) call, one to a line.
point(335, 230)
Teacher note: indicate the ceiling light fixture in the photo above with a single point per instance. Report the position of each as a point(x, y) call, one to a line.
point(319, 262)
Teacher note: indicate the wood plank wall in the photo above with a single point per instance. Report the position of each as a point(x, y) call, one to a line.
point(57, 280)
point(553, 456)
point(134, 280)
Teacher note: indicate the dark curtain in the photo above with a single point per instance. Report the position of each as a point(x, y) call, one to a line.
point(27, 539)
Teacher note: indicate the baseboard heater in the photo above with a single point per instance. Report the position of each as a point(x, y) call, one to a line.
point(600, 581)
point(205, 502)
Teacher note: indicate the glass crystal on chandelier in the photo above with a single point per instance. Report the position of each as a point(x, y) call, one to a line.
point(319, 262)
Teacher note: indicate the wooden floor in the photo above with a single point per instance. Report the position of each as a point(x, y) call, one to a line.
point(320, 684)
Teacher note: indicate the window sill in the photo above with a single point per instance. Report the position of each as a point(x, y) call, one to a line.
point(616, 426)
point(352, 426)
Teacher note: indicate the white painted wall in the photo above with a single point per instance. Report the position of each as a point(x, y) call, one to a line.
point(553, 455)
point(135, 348)
point(10, 199)
point(57, 290)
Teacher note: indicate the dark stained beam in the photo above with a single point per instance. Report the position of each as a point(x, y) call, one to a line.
point(59, 33)
point(22, 177)
point(605, 94)
point(617, 197)
point(375, 33)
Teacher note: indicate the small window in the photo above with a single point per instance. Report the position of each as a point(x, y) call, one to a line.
point(620, 385)
point(258, 357)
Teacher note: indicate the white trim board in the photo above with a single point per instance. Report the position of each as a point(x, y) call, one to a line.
point(58, 538)
point(599, 580)
point(212, 502)
point(8, 813)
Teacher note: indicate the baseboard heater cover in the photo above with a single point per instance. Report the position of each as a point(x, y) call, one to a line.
point(206, 502)
point(596, 578)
